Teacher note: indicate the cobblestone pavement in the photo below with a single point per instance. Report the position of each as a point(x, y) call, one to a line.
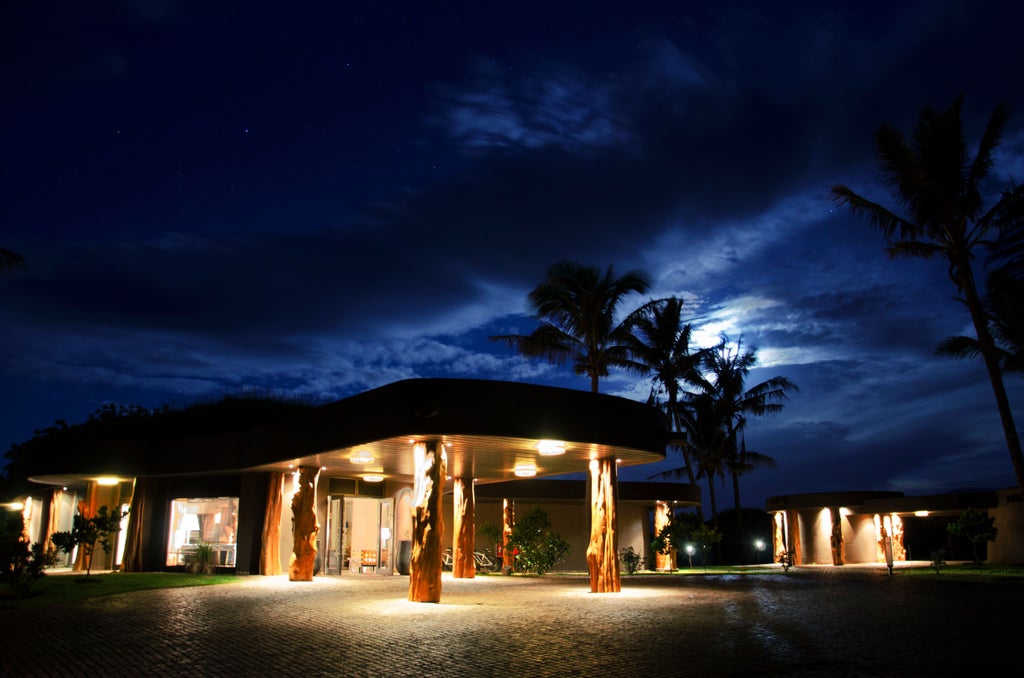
point(835, 622)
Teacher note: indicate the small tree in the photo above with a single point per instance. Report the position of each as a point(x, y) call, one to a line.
point(705, 537)
point(537, 548)
point(686, 529)
point(86, 532)
point(492, 533)
point(976, 527)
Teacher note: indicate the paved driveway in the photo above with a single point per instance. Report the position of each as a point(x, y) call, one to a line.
point(810, 622)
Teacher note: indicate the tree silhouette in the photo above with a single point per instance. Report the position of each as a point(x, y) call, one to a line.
point(576, 305)
point(10, 261)
point(940, 189)
point(659, 346)
point(726, 368)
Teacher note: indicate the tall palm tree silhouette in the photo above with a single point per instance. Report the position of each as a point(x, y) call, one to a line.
point(577, 305)
point(940, 190)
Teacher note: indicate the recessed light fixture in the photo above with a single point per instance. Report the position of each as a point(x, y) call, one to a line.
point(373, 478)
point(107, 480)
point(361, 457)
point(525, 470)
point(550, 448)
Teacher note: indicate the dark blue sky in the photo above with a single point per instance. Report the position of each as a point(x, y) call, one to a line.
point(220, 196)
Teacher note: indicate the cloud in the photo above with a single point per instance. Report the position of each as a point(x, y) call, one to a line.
point(558, 108)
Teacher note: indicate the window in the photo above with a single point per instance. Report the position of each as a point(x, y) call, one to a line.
point(211, 521)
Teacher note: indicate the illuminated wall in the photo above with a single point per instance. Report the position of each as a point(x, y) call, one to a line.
point(816, 533)
point(860, 539)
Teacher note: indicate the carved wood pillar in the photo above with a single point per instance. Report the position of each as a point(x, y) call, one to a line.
point(838, 549)
point(270, 537)
point(793, 531)
point(427, 522)
point(53, 518)
point(305, 526)
point(779, 543)
point(463, 565)
point(602, 553)
point(508, 521)
point(662, 517)
point(134, 545)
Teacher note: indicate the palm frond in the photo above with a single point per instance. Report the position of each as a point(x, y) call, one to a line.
point(959, 347)
point(880, 217)
point(11, 261)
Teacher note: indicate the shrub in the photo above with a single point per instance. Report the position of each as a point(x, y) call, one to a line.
point(938, 557)
point(21, 564)
point(631, 560)
point(202, 560)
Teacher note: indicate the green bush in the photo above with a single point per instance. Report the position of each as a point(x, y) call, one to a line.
point(976, 527)
point(631, 560)
point(536, 547)
point(21, 564)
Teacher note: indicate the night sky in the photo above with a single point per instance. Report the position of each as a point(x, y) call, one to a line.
point(217, 197)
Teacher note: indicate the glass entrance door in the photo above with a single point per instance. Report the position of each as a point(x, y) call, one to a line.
point(332, 559)
point(387, 540)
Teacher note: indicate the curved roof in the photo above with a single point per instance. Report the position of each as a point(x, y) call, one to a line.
point(488, 428)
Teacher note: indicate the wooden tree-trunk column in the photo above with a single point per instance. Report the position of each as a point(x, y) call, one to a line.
point(602, 553)
point(794, 545)
point(662, 517)
point(53, 519)
point(508, 520)
point(780, 544)
point(463, 565)
point(838, 548)
point(270, 538)
point(137, 517)
point(305, 525)
point(427, 522)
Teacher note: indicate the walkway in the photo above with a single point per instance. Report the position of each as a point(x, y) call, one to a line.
point(811, 622)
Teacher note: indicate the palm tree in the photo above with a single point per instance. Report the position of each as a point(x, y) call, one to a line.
point(939, 187)
point(10, 261)
point(743, 462)
point(1004, 304)
point(727, 368)
point(706, 444)
point(659, 345)
point(576, 305)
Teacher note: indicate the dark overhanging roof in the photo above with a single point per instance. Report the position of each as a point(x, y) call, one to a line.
point(487, 426)
point(812, 500)
point(862, 502)
point(680, 494)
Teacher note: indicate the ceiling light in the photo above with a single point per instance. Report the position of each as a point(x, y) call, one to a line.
point(525, 470)
point(373, 478)
point(361, 457)
point(107, 480)
point(550, 448)
point(15, 506)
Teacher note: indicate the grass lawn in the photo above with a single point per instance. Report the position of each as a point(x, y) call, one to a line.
point(967, 571)
point(61, 588)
